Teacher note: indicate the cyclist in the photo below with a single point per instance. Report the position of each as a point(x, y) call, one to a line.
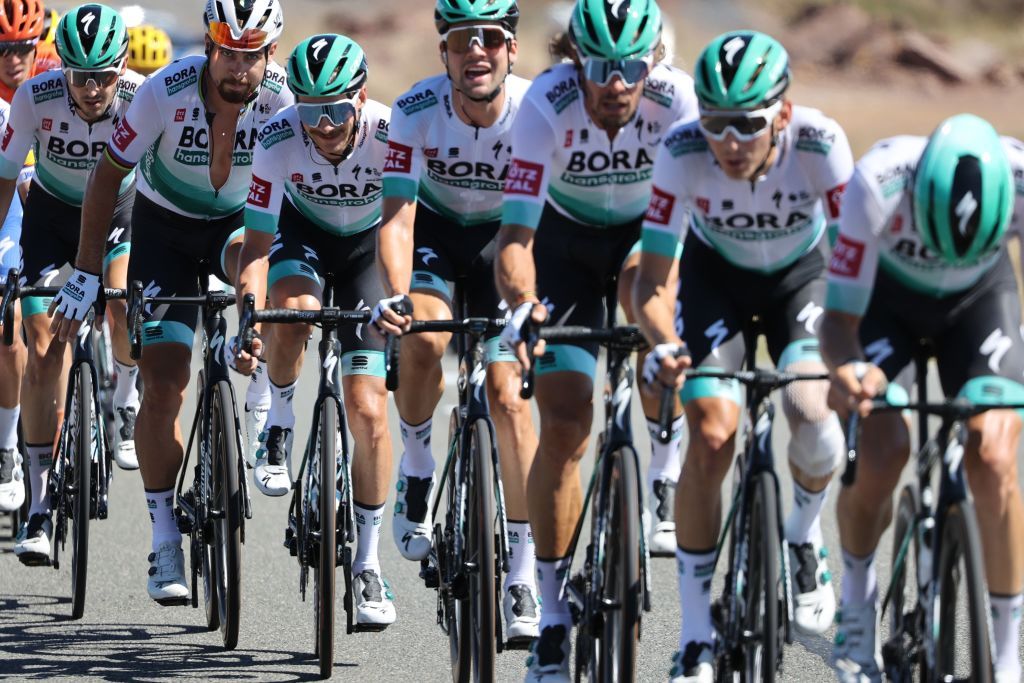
point(22, 53)
point(68, 115)
point(193, 128)
point(325, 155)
point(149, 49)
point(442, 205)
point(584, 143)
point(921, 255)
point(755, 182)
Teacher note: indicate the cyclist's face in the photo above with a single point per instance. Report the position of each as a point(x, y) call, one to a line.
point(611, 106)
point(16, 65)
point(741, 160)
point(330, 139)
point(91, 100)
point(479, 71)
point(237, 74)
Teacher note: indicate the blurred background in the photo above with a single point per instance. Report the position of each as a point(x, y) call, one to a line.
point(880, 67)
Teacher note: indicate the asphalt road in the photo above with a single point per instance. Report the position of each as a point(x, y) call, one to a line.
point(126, 636)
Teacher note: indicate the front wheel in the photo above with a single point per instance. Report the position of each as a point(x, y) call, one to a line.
point(80, 447)
point(226, 511)
point(900, 652)
point(323, 575)
point(763, 586)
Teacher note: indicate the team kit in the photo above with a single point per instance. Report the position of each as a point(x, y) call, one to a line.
point(613, 201)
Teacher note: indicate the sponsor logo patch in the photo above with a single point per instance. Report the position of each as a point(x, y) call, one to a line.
point(124, 135)
point(660, 207)
point(524, 178)
point(259, 192)
point(847, 257)
point(399, 158)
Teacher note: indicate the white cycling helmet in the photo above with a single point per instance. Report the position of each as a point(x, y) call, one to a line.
point(244, 25)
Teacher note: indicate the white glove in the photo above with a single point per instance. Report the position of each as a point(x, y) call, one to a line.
point(390, 303)
point(652, 363)
point(513, 332)
point(77, 295)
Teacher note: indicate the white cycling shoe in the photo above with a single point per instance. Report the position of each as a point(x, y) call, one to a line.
point(255, 426)
point(410, 526)
point(815, 607)
point(167, 584)
point(124, 451)
point(549, 656)
point(12, 480)
point(271, 474)
point(855, 655)
point(662, 539)
point(375, 606)
point(695, 664)
point(522, 613)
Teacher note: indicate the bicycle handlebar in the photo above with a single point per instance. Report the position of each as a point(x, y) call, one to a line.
point(137, 301)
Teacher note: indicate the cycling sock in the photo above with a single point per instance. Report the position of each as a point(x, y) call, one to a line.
point(804, 522)
point(257, 395)
point(39, 459)
point(9, 426)
point(368, 521)
point(552, 576)
point(1006, 616)
point(666, 460)
point(521, 556)
point(860, 582)
point(695, 571)
point(417, 460)
point(282, 413)
point(126, 391)
point(161, 514)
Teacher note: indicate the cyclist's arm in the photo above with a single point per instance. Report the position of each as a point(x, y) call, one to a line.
point(262, 215)
point(653, 298)
point(253, 266)
point(101, 191)
point(395, 243)
point(15, 145)
point(515, 272)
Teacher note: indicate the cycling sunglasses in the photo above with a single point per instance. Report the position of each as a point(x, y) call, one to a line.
point(338, 113)
point(251, 38)
point(99, 78)
point(19, 49)
point(601, 71)
point(460, 40)
point(744, 125)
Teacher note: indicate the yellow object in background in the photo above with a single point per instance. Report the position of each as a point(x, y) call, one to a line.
point(149, 49)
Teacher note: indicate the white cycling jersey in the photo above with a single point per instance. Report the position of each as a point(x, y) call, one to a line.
point(455, 169)
point(341, 199)
point(764, 225)
point(43, 118)
point(563, 158)
point(877, 228)
point(166, 129)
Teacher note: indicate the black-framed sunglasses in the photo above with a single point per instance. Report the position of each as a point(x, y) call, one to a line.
point(19, 49)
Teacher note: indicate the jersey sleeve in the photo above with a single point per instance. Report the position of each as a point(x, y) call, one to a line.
point(18, 135)
point(664, 224)
point(526, 186)
point(854, 263)
point(266, 189)
point(141, 126)
point(404, 160)
point(1015, 153)
point(827, 150)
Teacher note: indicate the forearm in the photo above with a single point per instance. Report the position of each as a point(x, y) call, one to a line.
point(97, 214)
point(655, 310)
point(515, 272)
point(7, 189)
point(394, 256)
point(252, 275)
point(839, 339)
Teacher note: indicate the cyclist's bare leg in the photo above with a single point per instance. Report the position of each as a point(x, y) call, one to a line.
point(284, 356)
point(517, 439)
point(165, 369)
point(12, 366)
point(421, 381)
point(116, 276)
point(366, 408)
point(41, 391)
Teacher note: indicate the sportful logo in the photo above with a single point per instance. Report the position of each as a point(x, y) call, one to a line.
point(965, 208)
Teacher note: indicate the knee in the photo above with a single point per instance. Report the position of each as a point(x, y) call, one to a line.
point(367, 414)
point(506, 405)
point(991, 455)
point(424, 348)
point(711, 450)
point(164, 391)
point(881, 455)
point(565, 431)
point(117, 310)
point(290, 336)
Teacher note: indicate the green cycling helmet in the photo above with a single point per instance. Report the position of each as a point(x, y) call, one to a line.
point(615, 29)
point(326, 64)
point(741, 70)
point(963, 190)
point(92, 36)
point(448, 12)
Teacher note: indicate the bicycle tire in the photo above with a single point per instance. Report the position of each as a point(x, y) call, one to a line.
point(900, 652)
point(480, 551)
point(458, 610)
point(227, 542)
point(763, 587)
point(324, 573)
point(80, 456)
point(961, 542)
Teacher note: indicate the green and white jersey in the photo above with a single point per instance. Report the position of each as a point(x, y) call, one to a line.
point(166, 132)
point(563, 158)
point(342, 199)
point(877, 228)
point(44, 119)
point(455, 169)
point(764, 225)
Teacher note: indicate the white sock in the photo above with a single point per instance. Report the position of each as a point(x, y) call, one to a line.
point(860, 582)
point(552, 575)
point(9, 427)
point(368, 521)
point(282, 413)
point(161, 514)
point(1006, 613)
point(126, 392)
point(666, 459)
point(257, 395)
point(39, 459)
point(417, 460)
point(695, 571)
point(521, 555)
point(804, 522)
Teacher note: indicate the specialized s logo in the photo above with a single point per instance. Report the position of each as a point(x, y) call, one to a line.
point(965, 208)
point(834, 198)
point(524, 178)
point(123, 136)
point(8, 134)
point(660, 207)
point(847, 257)
point(399, 158)
point(259, 192)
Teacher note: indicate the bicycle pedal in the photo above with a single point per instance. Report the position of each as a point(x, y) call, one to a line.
point(368, 628)
point(429, 574)
point(35, 560)
point(173, 602)
point(522, 643)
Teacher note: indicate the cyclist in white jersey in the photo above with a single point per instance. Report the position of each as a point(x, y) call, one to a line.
point(752, 186)
point(450, 148)
point(921, 255)
point(193, 128)
point(583, 147)
point(68, 116)
point(313, 208)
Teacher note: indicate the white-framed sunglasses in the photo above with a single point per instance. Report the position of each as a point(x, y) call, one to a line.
point(96, 78)
point(745, 125)
point(460, 39)
point(632, 71)
point(338, 113)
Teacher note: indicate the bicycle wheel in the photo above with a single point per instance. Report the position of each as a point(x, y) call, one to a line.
point(226, 520)
point(763, 588)
point(455, 590)
point(79, 454)
point(323, 574)
point(901, 651)
point(963, 650)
